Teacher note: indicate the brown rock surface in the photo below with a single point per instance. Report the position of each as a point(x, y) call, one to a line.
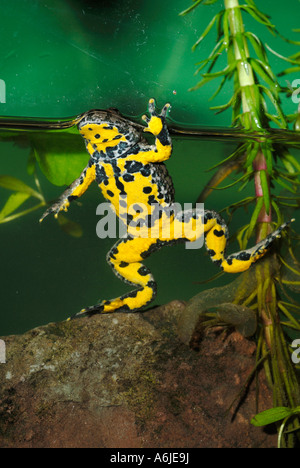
point(126, 381)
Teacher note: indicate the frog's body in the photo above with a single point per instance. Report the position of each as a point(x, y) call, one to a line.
point(132, 176)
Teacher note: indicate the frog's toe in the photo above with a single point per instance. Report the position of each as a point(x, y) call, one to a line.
point(165, 109)
point(145, 119)
point(44, 215)
point(151, 106)
point(55, 209)
point(50, 210)
point(88, 312)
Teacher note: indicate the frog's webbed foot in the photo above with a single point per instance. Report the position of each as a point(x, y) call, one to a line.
point(125, 259)
point(74, 191)
point(156, 122)
point(88, 312)
point(60, 205)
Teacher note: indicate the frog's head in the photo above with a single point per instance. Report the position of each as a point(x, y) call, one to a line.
point(102, 130)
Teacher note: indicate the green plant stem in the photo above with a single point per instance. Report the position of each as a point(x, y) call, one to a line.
point(23, 213)
point(260, 164)
point(249, 97)
point(243, 66)
point(283, 379)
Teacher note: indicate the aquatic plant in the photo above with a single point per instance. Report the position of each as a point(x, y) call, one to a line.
point(262, 293)
point(49, 153)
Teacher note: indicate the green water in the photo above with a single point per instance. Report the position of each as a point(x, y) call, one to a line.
point(47, 275)
point(62, 58)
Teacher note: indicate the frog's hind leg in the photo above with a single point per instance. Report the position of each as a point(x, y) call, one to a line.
point(216, 235)
point(125, 258)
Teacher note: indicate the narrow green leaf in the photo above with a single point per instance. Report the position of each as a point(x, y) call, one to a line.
point(289, 70)
point(236, 107)
point(281, 197)
point(255, 123)
point(275, 103)
point(253, 221)
point(241, 44)
point(190, 8)
point(280, 432)
point(19, 214)
point(258, 16)
point(266, 74)
point(225, 71)
point(226, 28)
point(292, 160)
point(13, 203)
point(257, 46)
point(278, 213)
point(292, 117)
point(274, 119)
point(286, 59)
point(233, 183)
point(207, 29)
point(252, 152)
point(236, 154)
point(292, 178)
point(245, 183)
point(251, 3)
point(17, 185)
point(269, 158)
point(214, 55)
point(284, 185)
point(230, 49)
point(295, 56)
point(288, 165)
point(293, 320)
point(290, 304)
point(219, 88)
point(219, 27)
point(240, 203)
point(292, 205)
point(215, 59)
point(271, 415)
point(241, 238)
point(222, 107)
point(201, 83)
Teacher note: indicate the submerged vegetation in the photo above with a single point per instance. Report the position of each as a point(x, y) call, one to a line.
point(50, 152)
point(272, 169)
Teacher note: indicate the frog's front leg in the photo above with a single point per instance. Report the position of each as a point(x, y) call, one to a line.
point(74, 191)
point(126, 258)
point(156, 125)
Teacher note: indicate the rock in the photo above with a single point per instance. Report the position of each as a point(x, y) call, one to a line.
point(127, 381)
